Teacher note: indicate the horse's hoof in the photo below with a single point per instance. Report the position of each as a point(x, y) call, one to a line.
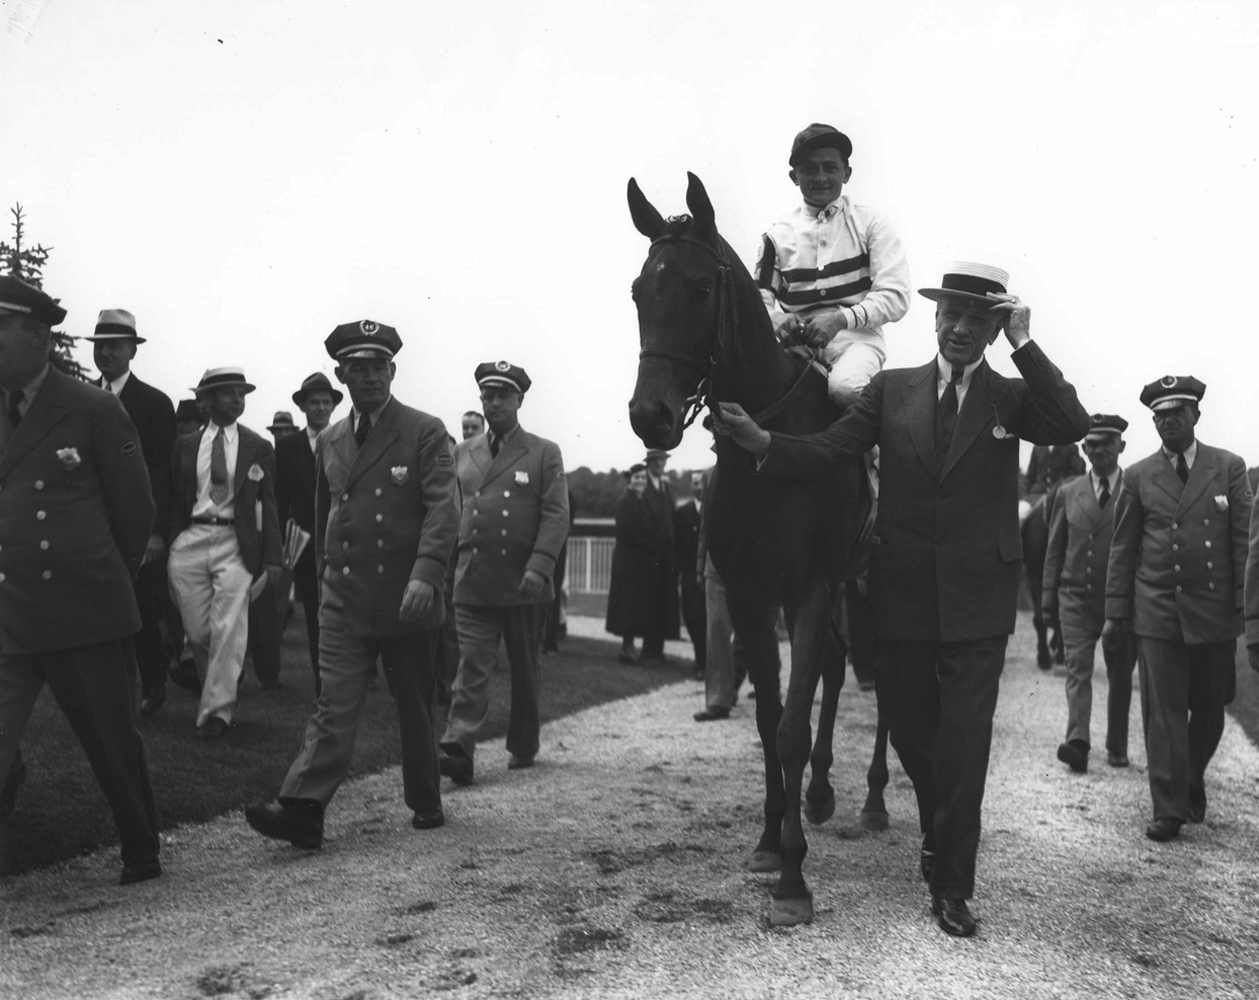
point(818, 813)
point(874, 821)
point(765, 861)
point(789, 912)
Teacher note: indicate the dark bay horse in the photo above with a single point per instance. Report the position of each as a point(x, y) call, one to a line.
point(705, 336)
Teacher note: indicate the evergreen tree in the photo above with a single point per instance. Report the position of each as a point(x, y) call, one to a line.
point(27, 263)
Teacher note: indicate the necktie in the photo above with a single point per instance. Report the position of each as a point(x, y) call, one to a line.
point(496, 445)
point(218, 469)
point(948, 409)
point(15, 406)
point(1182, 469)
point(1103, 494)
point(363, 429)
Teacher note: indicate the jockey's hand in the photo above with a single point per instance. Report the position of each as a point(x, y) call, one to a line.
point(790, 329)
point(732, 421)
point(1016, 318)
point(820, 329)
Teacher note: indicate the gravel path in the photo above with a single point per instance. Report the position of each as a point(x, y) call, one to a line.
point(615, 869)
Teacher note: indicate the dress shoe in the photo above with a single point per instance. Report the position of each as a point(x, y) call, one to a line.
point(214, 728)
point(953, 915)
point(518, 763)
point(1197, 804)
point(628, 656)
point(456, 766)
point(428, 819)
point(714, 713)
point(1163, 829)
point(1116, 759)
point(142, 872)
point(152, 700)
point(185, 676)
point(8, 794)
point(1075, 755)
point(299, 821)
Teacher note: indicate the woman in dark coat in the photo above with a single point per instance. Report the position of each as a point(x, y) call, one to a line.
point(640, 546)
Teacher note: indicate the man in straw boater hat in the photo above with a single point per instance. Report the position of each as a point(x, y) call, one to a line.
point(945, 555)
point(76, 513)
point(514, 523)
point(114, 343)
point(386, 494)
point(833, 273)
point(1175, 577)
point(224, 536)
point(295, 495)
point(1073, 594)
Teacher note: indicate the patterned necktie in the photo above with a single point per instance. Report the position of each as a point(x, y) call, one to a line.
point(363, 428)
point(218, 469)
point(948, 409)
point(1103, 494)
point(1182, 468)
point(15, 406)
point(496, 445)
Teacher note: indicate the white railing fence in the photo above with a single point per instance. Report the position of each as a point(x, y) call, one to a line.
point(589, 565)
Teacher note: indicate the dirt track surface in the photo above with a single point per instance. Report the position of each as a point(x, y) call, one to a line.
point(615, 869)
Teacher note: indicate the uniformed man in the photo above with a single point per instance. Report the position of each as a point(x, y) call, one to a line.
point(387, 513)
point(1175, 576)
point(114, 343)
point(1074, 594)
point(515, 519)
point(76, 513)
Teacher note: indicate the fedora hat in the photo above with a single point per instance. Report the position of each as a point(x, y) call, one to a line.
point(221, 378)
point(317, 383)
point(282, 421)
point(966, 280)
point(115, 324)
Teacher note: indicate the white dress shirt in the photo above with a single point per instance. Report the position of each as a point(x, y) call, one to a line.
point(231, 442)
point(1190, 453)
point(116, 385)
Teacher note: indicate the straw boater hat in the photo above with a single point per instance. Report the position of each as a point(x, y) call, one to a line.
point(965, 280)
point(221, 378)
point(115, 324)
point(317, 383)
point(1171, 391)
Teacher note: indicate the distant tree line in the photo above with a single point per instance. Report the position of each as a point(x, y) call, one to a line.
point(594, 494)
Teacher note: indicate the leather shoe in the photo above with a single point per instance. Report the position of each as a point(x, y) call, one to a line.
point(1075, 756)
point(628, 656)
point(953, 915)
point(456, 766)
point(428, 819)
point(142, 872)
point(152, 700)
point(714, 713)
point(8, 794)
point(1197, 804)
point(1116, 759)
point(518, 763)
point(214, 728)
point(1163, 829)
point(299, 821)
point(185, 676)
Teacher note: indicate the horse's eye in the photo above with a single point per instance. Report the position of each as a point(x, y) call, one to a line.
point(701, 289)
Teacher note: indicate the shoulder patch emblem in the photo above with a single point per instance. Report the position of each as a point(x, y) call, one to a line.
point(444, 459)
point(128, 449)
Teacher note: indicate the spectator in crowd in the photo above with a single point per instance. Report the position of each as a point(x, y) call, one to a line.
point(514, 523)
point(472, 424)
point(295, 495)
point(1175, 577)
point(282, 426)
point(1073, 594)
point(1051, 464)
point(76, 516)
point(114, 343)
point(224, 535)
point(187, 417)
point(636, 560)
point(686, 521)
point(664, 620)
point(387, 514)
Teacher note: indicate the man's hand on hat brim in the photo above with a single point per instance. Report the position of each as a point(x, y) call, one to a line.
point(1016, 317)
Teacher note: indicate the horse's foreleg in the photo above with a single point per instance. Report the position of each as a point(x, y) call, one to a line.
point(874, 812)
point(819, 798)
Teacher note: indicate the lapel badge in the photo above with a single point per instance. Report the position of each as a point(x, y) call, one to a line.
point(399, 474)
point(522, 477)
point(1221, 502)
point(255, 472)
point(69, 458)
point(1000, 433)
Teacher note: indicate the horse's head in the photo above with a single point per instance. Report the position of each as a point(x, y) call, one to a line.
point(685, 314)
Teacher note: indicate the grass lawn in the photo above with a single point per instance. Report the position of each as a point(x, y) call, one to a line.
point(61, 812)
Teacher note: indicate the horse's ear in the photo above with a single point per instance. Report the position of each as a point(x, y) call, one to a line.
point(647, 220)
point(697, 201)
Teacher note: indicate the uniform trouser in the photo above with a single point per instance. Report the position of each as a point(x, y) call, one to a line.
point(306, 584)
point(94, 687)
point(1184, 690)
point(211, 585)
point(480, 629)
point(1081, 646)
point(695, 615)
point(150, 652)
point(939, 698)
point(719, 679)
point(266, 629)
point(346, 663)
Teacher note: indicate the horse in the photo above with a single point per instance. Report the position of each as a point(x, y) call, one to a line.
point(705, 335)
point(1034, 529)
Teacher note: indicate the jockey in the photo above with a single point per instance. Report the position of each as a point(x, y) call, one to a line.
point(833, 273)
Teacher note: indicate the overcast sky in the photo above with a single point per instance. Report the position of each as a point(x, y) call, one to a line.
point(244, 176)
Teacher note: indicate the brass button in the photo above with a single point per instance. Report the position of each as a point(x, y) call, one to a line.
point(380, 543)
point(506, 493)
point(475, 550)
point(47, 574)
point(380, 569)
point(44, 544)
point(504, 552)
point(1208, 545)
point(345, 545)
point(1174, 526)
point(1, 578)
point(504, 531)
point(1179, 588)
point(1176, 568)
point(40, 515)
point(1210, 565)
point(345, 497)
point(379, 518)
point(39, 484)
point(345, 570)
point(379, 492)
point(1210, 586)
point(1175, 547)
point(505, 514)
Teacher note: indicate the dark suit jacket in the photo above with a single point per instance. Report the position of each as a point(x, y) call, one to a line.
point(1074, 578)
point(686, 520)
point(946, 552)
point(295, 473)
point(386, 514)
point(73, 527)
point(1177, 561)
point(257, 548)
point(661, 503)
point(153, 415)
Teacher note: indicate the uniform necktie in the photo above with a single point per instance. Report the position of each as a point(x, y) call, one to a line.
point(1182, 468)
point(15, 406)
point(496, 445)
point(1103, 494)
point(948, 409)
point(363, 429)
point(218, 469)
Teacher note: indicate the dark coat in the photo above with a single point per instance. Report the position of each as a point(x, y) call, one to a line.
point(946, 551)
point(295, 490)
point(72, 529)
point(1049, 466)
point(641, 549)
point(153, 415)
point(662, 504)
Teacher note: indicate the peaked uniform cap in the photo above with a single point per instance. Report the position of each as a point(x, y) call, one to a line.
point(221, 378)
point(317, 383)
point(819, 136)
point(1104, 425)
point(115, 324)
point(16, 296)
point(1171, 391)
point(364, 339)
point(967, 280)
point(503, 373)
